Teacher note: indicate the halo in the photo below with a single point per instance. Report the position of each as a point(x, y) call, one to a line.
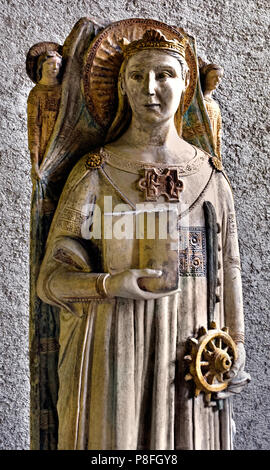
point(103, 60)
point(33, 54)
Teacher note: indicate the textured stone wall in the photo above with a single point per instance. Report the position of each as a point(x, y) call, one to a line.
point(229, 32)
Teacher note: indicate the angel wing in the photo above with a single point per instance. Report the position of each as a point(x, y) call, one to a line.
point(75, 132)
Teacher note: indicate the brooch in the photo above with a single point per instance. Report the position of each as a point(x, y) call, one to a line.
point(94, 160)
point(161, 182)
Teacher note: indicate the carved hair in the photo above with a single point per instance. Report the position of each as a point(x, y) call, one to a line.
point(42, 58)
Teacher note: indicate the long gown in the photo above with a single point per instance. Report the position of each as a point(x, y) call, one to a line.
point(121, 367)
point(43, 106)
point(76, 131)
point(214, 114)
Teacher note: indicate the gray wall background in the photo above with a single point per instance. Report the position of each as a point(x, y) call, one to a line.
point(233, 33)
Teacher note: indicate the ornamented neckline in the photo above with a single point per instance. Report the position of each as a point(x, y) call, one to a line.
point(47, 87)
point(188, 168)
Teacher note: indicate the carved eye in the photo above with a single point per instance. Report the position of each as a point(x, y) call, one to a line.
point(136, 76)
point(163, 75)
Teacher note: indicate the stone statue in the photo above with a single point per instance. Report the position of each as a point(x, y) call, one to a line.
point(211, 76)
point(43, 101)
point(127, 304)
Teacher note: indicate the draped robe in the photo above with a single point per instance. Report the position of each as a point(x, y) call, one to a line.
point(76, 132)
point(121, 365)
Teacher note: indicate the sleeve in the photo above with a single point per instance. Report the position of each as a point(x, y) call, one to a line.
point(219, 134)
point(233, 300)
point(34, 122)
point(66, 278)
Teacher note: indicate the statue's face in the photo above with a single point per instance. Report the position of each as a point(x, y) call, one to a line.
point(153, 83)
point(213, 79)
point(51, 67)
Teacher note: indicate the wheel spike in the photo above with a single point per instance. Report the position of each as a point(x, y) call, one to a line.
point(197, 392)
point(213, 325)
point(202, 331)
point(226, 329)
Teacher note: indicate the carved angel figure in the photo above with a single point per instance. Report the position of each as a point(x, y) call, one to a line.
point(121, 363)
point(211, 76)
point(43, 104)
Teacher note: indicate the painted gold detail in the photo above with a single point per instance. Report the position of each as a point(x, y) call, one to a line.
point(210, 358)
point(104, 58)
point(94, 160)
point(216, 163)
point(153, 39)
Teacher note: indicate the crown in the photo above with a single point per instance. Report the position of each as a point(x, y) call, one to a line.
point(153, 39)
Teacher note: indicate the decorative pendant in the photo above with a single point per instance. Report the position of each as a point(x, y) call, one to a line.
point(161, 182)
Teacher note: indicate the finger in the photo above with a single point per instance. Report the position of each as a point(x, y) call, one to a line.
point(148, 272)
point(231, 374)
point(148, 295)
point(234, 370)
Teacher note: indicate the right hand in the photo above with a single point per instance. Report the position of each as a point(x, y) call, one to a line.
point(125, 284)
point(237, 376)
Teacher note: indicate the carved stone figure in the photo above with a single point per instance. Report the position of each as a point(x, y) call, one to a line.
point(43, 101)
point(211, 76)
point(124, 324)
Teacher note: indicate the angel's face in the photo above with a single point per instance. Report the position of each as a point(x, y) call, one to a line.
point(213, 79)
point(51, 67)
point(153, 82)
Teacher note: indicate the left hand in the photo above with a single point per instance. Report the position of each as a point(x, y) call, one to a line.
point(238, 378)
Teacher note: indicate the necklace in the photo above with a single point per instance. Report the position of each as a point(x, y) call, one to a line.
point(180, 216)
point(135, 166)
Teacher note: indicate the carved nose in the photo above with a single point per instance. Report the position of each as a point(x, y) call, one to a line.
point(150, 84)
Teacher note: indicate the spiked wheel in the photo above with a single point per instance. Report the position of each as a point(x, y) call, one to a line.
point(212, 356)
